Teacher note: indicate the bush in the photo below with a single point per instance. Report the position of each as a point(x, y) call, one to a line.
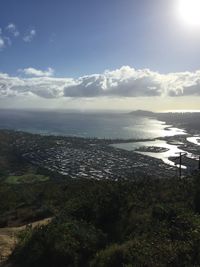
point(68, 244)
point(143, 252)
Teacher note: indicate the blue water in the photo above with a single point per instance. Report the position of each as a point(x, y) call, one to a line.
point(100, 125)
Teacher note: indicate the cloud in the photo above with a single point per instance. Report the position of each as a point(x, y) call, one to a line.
point(10, 32)
point(123, 82)
point(12, 28)
point(45, 87)
point(2, 43)
point(38, 73)
point(29, 36)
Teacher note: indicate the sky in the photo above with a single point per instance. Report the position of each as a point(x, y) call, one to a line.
point(108, 54)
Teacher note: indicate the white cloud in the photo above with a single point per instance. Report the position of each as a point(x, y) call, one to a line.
point(126, 82)
point(2, 43)
point(123, 82)
point(45, 87)
point(29, 36)
point(12, 28)
point(10, 32)
point(38, 73)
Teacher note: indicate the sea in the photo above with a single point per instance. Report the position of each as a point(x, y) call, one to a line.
point(85, 124)
point(101, 125)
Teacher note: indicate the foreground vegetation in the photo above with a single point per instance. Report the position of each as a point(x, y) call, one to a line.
point(143, 223)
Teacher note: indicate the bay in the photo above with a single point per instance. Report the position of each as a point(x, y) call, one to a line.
point(99, 125)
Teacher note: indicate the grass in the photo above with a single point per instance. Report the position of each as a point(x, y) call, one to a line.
point(26, 178)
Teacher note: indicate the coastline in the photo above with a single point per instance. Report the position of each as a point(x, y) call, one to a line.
point(156, 151)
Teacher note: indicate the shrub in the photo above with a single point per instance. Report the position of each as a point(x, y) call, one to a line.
point(68, 244)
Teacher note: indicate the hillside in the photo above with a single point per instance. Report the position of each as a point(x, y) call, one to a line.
point(144, 113)
point(146, 221)
point(102, 223)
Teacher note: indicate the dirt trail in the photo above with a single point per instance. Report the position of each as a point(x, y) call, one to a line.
point(8, 237)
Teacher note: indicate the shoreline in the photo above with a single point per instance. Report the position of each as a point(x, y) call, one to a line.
point(178, 139)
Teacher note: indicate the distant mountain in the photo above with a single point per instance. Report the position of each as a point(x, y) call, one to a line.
point(142, 113)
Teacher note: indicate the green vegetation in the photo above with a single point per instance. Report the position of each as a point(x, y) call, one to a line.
point(26, 178)
point(143, 223)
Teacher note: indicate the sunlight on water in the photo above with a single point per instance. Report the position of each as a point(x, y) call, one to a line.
point(151, 128)
point(172, 150)
point(194, 139)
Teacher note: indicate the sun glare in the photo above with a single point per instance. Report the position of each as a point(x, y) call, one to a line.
point(189, 11)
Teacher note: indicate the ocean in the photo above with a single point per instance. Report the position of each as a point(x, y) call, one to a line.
point(99, 125)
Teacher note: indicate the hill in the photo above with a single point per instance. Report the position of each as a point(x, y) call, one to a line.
point(144, 113)
point(148, 221)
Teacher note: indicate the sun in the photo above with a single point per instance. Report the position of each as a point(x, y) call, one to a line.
point(189, 11)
